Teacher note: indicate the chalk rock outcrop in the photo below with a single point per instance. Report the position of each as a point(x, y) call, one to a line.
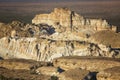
point(65, 20)
point(47, 50)
point(60, 33)
point(60, 16)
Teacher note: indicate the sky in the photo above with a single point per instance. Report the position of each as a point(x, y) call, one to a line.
point(50, 0)
point(25, 10)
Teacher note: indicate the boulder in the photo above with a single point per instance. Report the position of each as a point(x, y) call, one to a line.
point(109, 74)
point(75, 74)
point(52, 71)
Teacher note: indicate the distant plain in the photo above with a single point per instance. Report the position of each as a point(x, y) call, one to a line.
point(25, 11)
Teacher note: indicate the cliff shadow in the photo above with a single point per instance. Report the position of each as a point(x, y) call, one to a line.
point(47, 29)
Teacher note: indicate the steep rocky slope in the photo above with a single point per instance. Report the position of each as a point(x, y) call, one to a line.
point(60, 33)
point(70, 20)
point(47, 50)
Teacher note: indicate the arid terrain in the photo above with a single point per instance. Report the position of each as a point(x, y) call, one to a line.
point(44, 41)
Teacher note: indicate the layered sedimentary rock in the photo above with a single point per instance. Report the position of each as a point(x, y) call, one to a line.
point(6, 74)
point(60, 33)
point(14, 64)
point(94, 64)
point(60, 16)
point(64, 19)
point(22, 69)
point(47, 50)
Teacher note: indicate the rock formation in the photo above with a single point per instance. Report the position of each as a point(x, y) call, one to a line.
point(60, 33)
point(64, 19)
point(47, 50)
point(6, 74)
point(75, 74)
point(21, 69)
point(94, 64)
point(106, 38)
point(17, 64)
point(65, 68)
point(49, 70)
point(91, 47)
point(109, 74)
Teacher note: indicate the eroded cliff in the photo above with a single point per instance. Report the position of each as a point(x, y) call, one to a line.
point(47, 50)
point(71, 21)
point(60, 33)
